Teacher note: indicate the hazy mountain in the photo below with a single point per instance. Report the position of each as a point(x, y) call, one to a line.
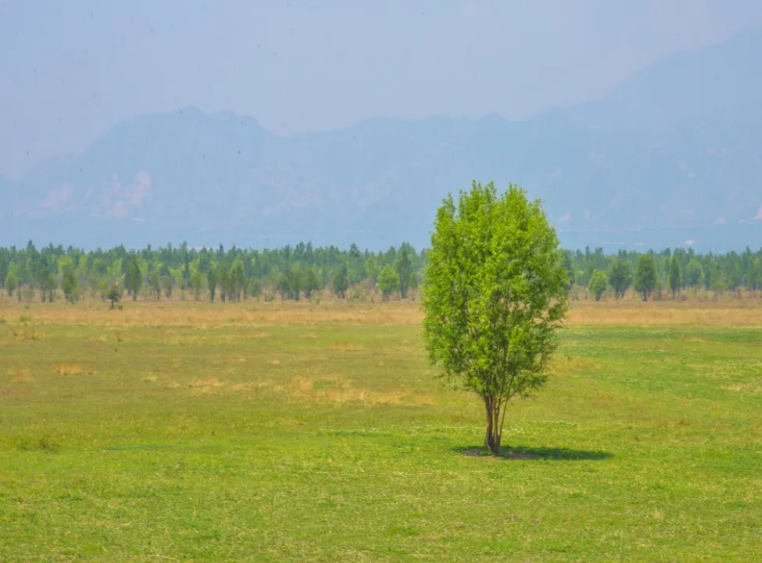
point(674, 153)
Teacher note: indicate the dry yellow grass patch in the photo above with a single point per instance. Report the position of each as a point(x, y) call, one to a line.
point(338, 390)
point(741, 388)
point(666, 313)
point(69, 369)
point(149, 379)
point(251, 313)
point(730, 312)
point(19, 375)
point(346, 347)
point(209, 385)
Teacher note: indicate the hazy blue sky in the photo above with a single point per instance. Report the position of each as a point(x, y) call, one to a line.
point(72, 69)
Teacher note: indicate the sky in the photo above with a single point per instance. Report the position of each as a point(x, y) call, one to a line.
point(72, 69)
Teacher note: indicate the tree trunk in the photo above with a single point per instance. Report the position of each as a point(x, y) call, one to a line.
point(494, 428)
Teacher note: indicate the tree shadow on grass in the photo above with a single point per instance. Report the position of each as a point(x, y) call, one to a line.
point(529, 454)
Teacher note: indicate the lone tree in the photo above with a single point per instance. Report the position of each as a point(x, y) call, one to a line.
point(494, 295)
point(645, 275)
point(597, 284)
point(674, 276)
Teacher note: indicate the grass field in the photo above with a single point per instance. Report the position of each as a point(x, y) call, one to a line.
point(299, 432)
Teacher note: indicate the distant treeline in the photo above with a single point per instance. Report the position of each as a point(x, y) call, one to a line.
point(233, 274)
point(295, 272)
point(673, 271)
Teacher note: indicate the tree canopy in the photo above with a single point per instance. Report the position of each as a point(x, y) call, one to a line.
point(494, 294)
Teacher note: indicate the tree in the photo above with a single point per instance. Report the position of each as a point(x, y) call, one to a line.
point(371, 268)
point(114, 294)
point(237, 281)
point(569, 270)
point(597, 284)
point(645, 275)
point(311, 282)
point(340, 283)
point(211, 281)
point(694, 273)
point(294, 282)
point(404, 268)
point(11, 281)
point(47, 283)
point(48, 287)
point(494, 294)
point(69, 284)
point(223, 278)
point(674, 276)
point(196, 282)
point(620, 277)
point(133, 279)
point(283, 288)
point(156, 284)
point(169, 285)
point(388, 281)
point(255, 287)
point(755, 270)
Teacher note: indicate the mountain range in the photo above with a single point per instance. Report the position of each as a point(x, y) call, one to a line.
point(671, 157)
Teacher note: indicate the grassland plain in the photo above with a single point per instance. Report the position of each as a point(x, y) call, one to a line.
point(303, 432)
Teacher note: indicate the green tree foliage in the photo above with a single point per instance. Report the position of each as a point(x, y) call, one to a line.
point(11, 281)
point(211, 282)
point(223, 278)
point(169, 283)
point(69, 284)
point(693, 274)
point(255, 288)
point(340, 283)
point(114, 294)
point(156, 285)
point(197, 282)
point(569, 266)
point(493, 296)
point(236, 281)
point(620, 277)
point(311, 283)
point(133, 279)
point(597, 284)
point(388, 282)
point(674, 276)
point(47, 284)
point(755, 272)
point(404, 266)
point(645, 275)
point(97, 269)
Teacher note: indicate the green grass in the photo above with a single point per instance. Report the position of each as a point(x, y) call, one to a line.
point(328, 441)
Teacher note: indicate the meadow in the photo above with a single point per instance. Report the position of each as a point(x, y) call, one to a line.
point(318, 432)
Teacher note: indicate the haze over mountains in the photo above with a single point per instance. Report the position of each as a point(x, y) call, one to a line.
point(674, 154)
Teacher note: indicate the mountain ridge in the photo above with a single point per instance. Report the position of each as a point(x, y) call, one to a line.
point(627, 166)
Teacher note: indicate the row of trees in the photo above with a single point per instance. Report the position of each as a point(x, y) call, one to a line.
point(296, 272)
point(673, 271)
point(215, 274)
